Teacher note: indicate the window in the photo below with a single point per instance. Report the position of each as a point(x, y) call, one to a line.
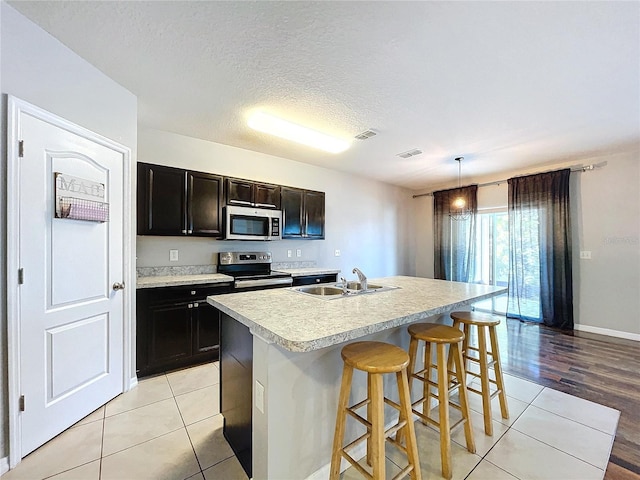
point(491, 258)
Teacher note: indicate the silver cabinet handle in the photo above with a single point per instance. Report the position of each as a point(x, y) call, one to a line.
point(190, 305)
point(184, 231)
point(196, 305)
point(118, 286)
point(193, 292)
point(190, 232)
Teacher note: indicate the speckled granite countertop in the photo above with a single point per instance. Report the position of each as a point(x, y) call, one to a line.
point(152, 277)
point(302, 323)
point(301, 272)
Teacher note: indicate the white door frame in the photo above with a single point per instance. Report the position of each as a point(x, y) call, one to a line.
point(15, 107)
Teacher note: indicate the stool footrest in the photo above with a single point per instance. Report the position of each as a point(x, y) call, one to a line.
point(355, 464)
point(358, 417)
point(404, 472)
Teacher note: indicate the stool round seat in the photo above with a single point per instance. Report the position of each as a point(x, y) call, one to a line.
point(434, 333)
point(375, 357)
point(476, 318)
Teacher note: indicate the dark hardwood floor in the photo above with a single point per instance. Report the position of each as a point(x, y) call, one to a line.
point(602, 369)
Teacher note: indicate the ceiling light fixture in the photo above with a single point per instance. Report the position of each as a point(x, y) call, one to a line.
point(458, 209)
point(266, 123)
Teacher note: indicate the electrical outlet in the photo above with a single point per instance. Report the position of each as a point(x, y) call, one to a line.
point(173, 255)
point(259, 396)
point(288, 253)
point(585, 254)
point(298, 252)
point(336, 253)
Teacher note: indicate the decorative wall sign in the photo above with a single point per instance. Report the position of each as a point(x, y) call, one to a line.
point(80, 199)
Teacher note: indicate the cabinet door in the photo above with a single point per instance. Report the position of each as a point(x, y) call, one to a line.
point(169, 333)
point(206, 328)
point(266, 196)
point(161, 200)
point(239, 192)
point(204, 209)
point(292, 219)
point(314, 215)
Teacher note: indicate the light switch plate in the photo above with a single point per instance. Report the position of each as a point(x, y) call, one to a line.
point(173, 255)
point(288, 253)
point(585, 254)
point(336, 253)
point(298, 253)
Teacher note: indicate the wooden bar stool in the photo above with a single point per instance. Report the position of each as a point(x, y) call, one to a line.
point(448, 381)
point(480, 355)
point(375, 358)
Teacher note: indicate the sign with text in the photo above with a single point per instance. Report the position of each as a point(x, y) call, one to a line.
point(80, 199)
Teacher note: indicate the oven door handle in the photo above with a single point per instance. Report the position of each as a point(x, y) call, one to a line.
point(263, 282)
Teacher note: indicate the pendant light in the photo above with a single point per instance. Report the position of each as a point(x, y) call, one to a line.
point(459, 210)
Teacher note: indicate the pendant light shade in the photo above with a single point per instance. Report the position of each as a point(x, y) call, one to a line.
point(459, 208)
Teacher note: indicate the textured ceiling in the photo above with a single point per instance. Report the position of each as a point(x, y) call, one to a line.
point(507, 85)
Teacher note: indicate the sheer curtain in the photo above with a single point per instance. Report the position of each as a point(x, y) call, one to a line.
point(540, 277)
point(454, 240)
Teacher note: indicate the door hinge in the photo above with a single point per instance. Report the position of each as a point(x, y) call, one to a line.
point(21, 403)
point(21, 148)
point(20, 276)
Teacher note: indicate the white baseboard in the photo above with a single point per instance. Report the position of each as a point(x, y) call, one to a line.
point(4, 465)
point(608, 332)
point(133, 382)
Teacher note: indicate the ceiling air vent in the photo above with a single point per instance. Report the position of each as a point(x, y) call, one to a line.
point(410, 153)
point(366, 134)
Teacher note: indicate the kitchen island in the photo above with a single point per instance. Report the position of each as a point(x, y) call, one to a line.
point(294, 342)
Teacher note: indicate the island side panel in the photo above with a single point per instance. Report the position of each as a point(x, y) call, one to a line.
point(236, 371)
point(294, 436)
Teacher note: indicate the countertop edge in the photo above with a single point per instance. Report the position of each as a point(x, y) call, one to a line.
point(307, 271)
point(181, 280)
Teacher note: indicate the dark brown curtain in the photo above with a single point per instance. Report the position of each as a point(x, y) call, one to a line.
point(454, 240)
point(540, 277)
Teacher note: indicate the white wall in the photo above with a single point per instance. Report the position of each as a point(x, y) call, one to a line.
point(369, 222)
point(605, 219)
point(38, 69)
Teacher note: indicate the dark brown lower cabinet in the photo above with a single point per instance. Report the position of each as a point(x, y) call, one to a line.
point(176, 327)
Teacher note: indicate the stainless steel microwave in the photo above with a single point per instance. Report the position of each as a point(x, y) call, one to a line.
point(248, 223)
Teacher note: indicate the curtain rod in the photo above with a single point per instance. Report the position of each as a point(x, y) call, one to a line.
point(585, 168)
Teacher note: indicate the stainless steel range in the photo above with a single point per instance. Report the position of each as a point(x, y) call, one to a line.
point(252, 270)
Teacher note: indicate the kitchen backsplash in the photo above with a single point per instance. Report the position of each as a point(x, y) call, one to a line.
point(178, 270)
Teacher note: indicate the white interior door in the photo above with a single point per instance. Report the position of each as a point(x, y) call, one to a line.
point(70, 315)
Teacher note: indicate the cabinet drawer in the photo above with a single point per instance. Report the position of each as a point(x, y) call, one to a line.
point(162, 295)
point(312, 279)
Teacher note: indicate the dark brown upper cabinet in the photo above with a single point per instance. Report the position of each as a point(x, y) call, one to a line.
point(252, 194)
point(173, 201)
point(302, 214)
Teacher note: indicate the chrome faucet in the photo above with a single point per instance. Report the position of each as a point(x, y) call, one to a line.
point(361, 278)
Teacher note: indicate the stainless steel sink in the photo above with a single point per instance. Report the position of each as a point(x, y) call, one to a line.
point(322, 290)
point(358, 286)
point(330, 292)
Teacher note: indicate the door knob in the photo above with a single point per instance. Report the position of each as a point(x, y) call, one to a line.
point(118, 286)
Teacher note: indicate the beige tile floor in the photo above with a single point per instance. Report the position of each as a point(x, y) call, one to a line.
point(170, 428)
